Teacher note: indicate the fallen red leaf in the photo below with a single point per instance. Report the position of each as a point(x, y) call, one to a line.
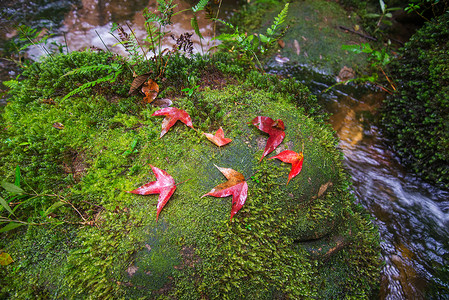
point(296, 159)
point(218, 139)
point(275, 129)
point(172, 114)
point(164, 186)
point(235, 186)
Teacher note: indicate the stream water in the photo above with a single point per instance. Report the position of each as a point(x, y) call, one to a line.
point(412, 216)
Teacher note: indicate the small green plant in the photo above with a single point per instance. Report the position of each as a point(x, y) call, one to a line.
point(132, 149)
point(190, 91)
point(254, 44)
point(422, 7)
point(379, 61)
point(18, 197)
point(156, 28)
point(384, 17)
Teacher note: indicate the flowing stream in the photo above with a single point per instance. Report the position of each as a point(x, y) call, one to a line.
point(412, 216)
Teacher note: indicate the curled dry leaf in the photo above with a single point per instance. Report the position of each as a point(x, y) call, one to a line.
point(172, 114)
point(165, 186)
point(296, 159)
point(165, 102)
point(274, 128)
point(150, 89)
point(138, 82)
point(235, 186)
point(218, 139)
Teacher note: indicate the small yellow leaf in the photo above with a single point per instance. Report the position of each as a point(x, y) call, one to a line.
point(5, 259)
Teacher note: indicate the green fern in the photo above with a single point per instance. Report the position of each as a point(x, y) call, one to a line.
point(273, 31)
point(113, 71)
point(12, 84)
point(200, 6)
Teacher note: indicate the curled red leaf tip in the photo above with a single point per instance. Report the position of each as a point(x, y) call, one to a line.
point(275, 130)
point(218, 139)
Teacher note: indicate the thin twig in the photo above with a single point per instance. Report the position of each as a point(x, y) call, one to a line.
point(103, 41)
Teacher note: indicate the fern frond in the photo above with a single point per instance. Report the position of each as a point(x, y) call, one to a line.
point(110, 77)
point(280, 19)
point(195, 26)
point(200, 5)
point(11, 84)
point(88, 70)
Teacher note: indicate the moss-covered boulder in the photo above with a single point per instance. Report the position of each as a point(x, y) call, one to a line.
point(415, 117)
point(301, 240)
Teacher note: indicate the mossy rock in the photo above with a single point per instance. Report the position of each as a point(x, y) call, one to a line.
point(415, 117)
point(301, 240)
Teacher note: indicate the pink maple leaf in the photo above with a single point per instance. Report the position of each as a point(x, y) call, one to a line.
point(164, 186)
point(294, 158)
point(172, 114)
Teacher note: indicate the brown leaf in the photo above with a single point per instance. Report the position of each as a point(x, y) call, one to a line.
point(281, 43)
point(150, 89)
point(137, 82)
point(58, 125)
point(165, 102)
point(323, 188)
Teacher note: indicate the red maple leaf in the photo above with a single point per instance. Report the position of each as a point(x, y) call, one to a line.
point(172, 114)
point(164, 186)
point(275, 129)
point(294, 158)
point(218, 139)
point(235, 186)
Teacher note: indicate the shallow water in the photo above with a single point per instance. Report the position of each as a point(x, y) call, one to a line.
point(412, 216)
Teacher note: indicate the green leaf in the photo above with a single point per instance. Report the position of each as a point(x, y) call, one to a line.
point(5, 205)
point(10, 226)
point(263, 38)
point(5, 259)
point(372, 16)
point(194, 23)
point(9, 187)
point(17, 180)
point(382, 6)
point(53, 207)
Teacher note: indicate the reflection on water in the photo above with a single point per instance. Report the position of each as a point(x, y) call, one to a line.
point(89, 24)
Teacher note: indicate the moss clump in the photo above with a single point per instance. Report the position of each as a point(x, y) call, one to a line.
point(304, 239)
point(415, 117)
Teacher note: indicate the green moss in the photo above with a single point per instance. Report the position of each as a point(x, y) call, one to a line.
point(194, 249)
point(415, 118)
